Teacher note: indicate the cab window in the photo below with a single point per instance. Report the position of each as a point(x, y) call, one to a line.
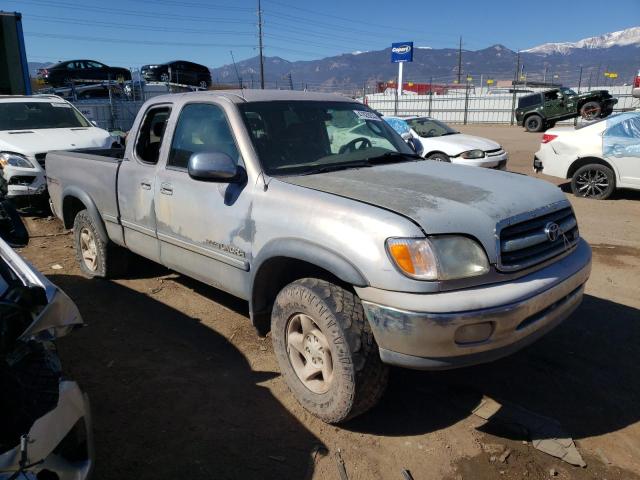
point(201, 127)
point(151, 134)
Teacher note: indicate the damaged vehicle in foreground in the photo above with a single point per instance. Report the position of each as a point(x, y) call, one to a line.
point(45, 428)
point(356, 253)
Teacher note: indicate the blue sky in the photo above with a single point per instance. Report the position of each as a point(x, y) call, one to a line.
point(130, 33)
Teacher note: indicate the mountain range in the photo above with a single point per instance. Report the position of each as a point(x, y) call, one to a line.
point(558, 62)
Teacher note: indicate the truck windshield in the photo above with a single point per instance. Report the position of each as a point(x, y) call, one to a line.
point(298, 137)
point(39, 115)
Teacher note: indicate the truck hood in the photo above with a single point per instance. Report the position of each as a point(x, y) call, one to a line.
point(30, 142)
point(456, 144)
point(440, 197)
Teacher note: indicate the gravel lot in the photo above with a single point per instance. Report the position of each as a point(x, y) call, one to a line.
point(182, 387)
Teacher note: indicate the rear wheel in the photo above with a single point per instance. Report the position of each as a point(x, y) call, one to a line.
point(203, 84)
point(164, 77)
point(95, 257)
point(326, 350)
point(590, 110)
point(593, 181)
point(534, 123)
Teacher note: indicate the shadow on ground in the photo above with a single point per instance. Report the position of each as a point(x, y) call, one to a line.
point(171, 398)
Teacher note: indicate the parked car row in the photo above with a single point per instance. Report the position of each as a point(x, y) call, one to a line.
point(86, 71)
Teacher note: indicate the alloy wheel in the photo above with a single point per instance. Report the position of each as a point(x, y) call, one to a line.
point(592, 183)
point(89, 249)
point(309, 353)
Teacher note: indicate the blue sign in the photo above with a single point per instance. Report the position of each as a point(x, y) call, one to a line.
point(402, 52)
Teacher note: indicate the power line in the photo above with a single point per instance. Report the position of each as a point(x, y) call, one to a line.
point(132, 12)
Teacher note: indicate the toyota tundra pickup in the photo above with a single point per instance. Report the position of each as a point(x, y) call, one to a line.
point(354, 252)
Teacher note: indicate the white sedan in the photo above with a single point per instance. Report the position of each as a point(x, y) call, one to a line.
point(598, 157)
point(442, 143)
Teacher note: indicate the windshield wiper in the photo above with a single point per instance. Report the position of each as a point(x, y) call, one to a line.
point(332, 167)
point(390, 157)
point(449, 133)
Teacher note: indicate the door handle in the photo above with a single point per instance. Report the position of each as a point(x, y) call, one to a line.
point(166, 189)
point(145, 185)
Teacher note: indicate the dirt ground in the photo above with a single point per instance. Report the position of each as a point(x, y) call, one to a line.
point(181, 387)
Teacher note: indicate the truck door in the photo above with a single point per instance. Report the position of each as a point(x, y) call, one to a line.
point(621, 146)
point(136, 182)
point(205, 228)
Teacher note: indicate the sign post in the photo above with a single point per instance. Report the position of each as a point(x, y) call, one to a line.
point(400, 53)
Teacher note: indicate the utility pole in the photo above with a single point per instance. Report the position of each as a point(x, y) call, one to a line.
point(460, 61)
point(260, 45)
point(515, 79)
point(544, 78)
point(580, 79)
point(236, 68)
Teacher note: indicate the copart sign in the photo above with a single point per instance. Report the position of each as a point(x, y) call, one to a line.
point(402, 52)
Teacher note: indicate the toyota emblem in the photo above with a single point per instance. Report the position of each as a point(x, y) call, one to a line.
point(552, 230)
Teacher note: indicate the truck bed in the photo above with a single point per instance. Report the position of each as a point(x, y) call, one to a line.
point(94, 171)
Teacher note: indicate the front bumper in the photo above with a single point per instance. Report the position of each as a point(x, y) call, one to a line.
point(24, 181)
point(426, 333)
point(498, 162)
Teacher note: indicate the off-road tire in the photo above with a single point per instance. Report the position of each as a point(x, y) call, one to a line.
point(597, 171)
point(359, 376)
point(534, 123)
point(439, 157)
point(112, 260)
point(591, 110)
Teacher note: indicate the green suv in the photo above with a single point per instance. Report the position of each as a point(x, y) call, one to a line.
point(540, 111)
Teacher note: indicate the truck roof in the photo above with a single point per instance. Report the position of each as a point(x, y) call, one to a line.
point(31, 98)
point(242, 96)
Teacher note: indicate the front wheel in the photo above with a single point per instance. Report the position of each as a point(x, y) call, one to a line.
point(593, 181)
point(326, 350)
point(203, 84)
point(439, 157)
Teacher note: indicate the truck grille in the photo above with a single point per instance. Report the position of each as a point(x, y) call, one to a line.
point(532, 241)
point(494, 153)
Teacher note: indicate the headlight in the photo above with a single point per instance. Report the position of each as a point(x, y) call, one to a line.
point(472, 154)
point(444, 257)
point(14, 160)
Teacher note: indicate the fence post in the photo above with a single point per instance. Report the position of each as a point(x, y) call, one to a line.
point(430, 94)
point(466, 102)
point(395, 102)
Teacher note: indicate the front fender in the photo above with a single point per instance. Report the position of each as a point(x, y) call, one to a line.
point(312, 253)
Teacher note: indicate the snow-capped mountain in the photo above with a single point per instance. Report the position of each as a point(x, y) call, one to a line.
point(629, 36)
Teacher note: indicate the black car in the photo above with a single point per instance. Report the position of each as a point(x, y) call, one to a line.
point(178, 71)
point(79, 71)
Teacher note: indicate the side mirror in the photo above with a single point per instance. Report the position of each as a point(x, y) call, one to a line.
point(215, 167)
point(416, 145)
point(95, 124)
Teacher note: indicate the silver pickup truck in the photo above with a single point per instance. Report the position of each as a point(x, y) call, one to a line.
point(352, 250)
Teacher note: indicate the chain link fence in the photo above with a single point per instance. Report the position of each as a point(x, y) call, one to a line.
point(466, 106)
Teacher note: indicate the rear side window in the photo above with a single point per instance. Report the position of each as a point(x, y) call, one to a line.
point(151, 134)
point(202, 127)
point(529, 101)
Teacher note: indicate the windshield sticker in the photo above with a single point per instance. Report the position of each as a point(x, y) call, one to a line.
point(364, 115)
point(61, 105)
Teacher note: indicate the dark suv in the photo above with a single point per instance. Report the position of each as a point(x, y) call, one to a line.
point(542, 110)
point(178, 71)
